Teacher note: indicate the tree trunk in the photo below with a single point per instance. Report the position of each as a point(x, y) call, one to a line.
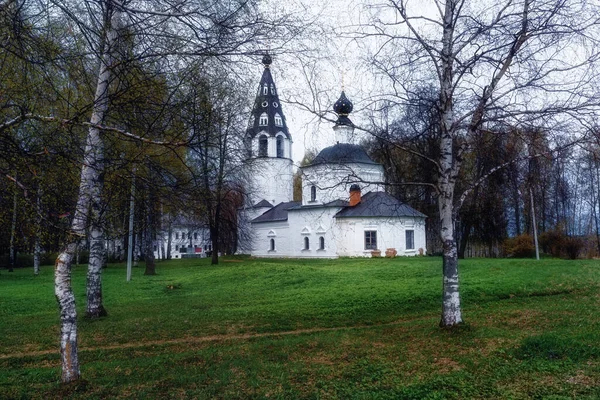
point(448, 171)
point(214, 237)
point(451, 310)
point(68, 314)
point(90, 183)
point(13, 231)
point(169, 240)
point(37, 247)
point(149, 242)
point(95, 307)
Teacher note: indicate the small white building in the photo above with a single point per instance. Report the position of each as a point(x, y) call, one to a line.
point(187, 239)
point(344, 209)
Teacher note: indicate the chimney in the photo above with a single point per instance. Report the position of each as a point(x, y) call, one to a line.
point(354, 195)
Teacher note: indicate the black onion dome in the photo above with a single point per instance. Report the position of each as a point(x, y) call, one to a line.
point(343, 106)
point(267, 103)
point(343, 153)
point(267, 60)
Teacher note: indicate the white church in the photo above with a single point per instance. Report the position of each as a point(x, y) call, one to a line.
point(344, 211)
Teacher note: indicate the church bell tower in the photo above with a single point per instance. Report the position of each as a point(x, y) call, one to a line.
point(268, 145)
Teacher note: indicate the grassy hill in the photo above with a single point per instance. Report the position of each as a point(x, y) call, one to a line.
point(348, 328)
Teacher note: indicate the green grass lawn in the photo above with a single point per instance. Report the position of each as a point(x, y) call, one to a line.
point(348, 328)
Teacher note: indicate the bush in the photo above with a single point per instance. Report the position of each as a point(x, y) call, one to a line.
point(573, 246)
point(519, 247)
point(553, 242)
point(560, 245)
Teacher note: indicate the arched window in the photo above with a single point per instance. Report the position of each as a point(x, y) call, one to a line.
point(278, 120)
point(280, 146)
point(265, 89)
point(313, 193)
point(306, 243)
point(321, 243)
point(272, 247)
point(263, 146)
point(263, 120)
point(272, 89)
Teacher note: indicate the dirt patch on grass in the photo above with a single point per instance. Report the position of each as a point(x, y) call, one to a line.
point(205, 339)
point(581, 379)
point(446, 365)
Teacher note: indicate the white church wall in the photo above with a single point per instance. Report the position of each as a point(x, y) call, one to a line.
point(313, 224)
point(265, 231)
point(271, 180)
point(247, 236)
point(391, 233)
point(333, 182)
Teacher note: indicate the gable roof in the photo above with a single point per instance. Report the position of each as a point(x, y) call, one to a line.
point(379, 204)
point(262, 204)
point(334, 203)
point(277, 213)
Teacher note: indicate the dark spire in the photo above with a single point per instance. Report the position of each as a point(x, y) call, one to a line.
point(343, 107)
point(267, 104)
point(267, 60)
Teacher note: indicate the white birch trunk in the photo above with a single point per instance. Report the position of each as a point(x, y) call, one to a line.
point(449, 166)
point(95, 307)
point(88, 190)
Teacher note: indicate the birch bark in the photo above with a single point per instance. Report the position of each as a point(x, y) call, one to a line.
point(89, 188)
point(449, 166)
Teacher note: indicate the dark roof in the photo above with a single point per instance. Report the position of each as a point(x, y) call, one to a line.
point(335, 203)
point(267, 103)
point(261, 204)
point(342, 153)
point(277, 213)
point(379, 204)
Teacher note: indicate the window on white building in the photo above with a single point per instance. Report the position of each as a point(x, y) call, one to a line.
point(176, 235)
point(195, 236)
point(321, 243)
point(313, 193)
point(370, 240)
point(263, 146)
point(263, 120)
point(272, 246)
point(306, 243)
point(280, 146)
point(410, 239)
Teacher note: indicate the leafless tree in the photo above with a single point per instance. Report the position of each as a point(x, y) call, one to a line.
point(513, 62)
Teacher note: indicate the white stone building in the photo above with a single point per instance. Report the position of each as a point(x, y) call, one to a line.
point(186, 239)
point(344, 209)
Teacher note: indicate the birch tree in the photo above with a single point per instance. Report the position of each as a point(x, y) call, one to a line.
point(516, 62)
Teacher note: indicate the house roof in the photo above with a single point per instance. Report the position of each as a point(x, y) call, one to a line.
point(335, 203)
point(277, 213)
point(262, 204)
point(379, 204)
point(343, 153)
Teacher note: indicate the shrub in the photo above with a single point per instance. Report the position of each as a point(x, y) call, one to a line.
point(573, 246)
point(558, 244)
point(519, 246)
